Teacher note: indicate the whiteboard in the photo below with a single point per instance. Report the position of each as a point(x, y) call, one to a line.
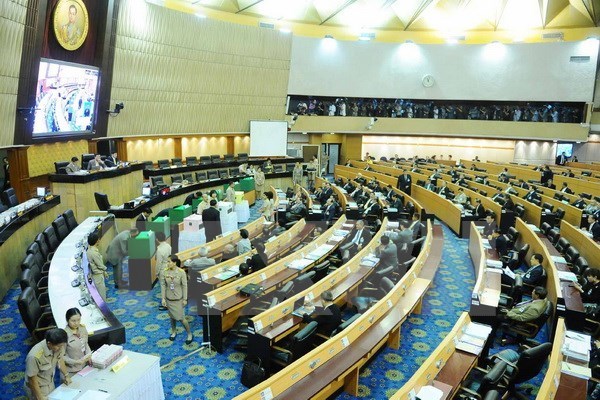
point(268, 138)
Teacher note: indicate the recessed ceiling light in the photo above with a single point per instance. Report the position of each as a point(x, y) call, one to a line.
point(285, 30)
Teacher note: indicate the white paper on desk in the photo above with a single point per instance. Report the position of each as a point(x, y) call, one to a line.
point(506, 271)
point(340, 232)
point(299, 264)
point(336, 238)
point(348, 225)
point(558, 259)
point(493, 263)
point(481, 331)
point(494, 270)
point(63, 393)
point(94, 395)
point(430, 393)
point(486, 244)
point(567, 276)
point(533, 227)
point(393, 224)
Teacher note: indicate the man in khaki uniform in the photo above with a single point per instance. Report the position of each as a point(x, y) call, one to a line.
point(525, 311)
point(41, 363)
point(163, 251)
point(259, 182)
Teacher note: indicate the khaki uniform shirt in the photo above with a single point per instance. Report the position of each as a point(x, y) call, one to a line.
point(173, 284)
point(41, 362)
point(97, 266)
point(77, 348)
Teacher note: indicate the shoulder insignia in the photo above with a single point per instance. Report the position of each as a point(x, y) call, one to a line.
point(39, 354)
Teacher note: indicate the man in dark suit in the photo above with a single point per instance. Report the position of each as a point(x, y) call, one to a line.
point(533, 276)
point(523, 184)
point(568, 173)
point(579, 203)
point(358, 238)
point(479, 209)
point(549, 184)
point(191, 197)
point(396, 202)
point(594, 226)
point(444, 190)
point(112, 160)
point(565, 188)
point(490, 226)
point(531, 195)
point(140, 222)
point(404, 183)
point(562, 159)
point(326, 193)
point(329, 211)
point(547, 174)
point(499, 242)
point(348, 187)
point(211, 217)
point(358, 192)
point(387, 253)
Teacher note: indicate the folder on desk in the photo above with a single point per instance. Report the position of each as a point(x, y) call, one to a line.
point(558, 259)
point(576, 370)
point(476, 330)
point(430, 393)
point(567, 276)
point(493, 263)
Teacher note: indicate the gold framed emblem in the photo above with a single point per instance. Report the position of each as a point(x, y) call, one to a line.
point(71, 23)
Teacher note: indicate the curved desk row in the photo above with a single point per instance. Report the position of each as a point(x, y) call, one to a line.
point(218, 165)
point(586, 246)
point(486, 291)
point(18, 233)
point(68, 285)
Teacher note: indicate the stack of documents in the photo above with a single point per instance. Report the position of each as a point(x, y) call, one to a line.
point(369, 261)
point(558, 259)
point(567, 276)
point(533, 227)
point(493, 263)
point(336, 238)
point(576, 370)
point(430, 393)
point(106, 355)
point(341, 232)
point(300, 263)
point(476, 330)
point(486, 244)
point(319, 252)
point(577, 346)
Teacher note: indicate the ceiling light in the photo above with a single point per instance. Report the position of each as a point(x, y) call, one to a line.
point(285, 30)
point(365, 36)
point(200, 15)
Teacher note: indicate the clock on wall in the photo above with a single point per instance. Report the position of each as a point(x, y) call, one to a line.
point(428, 81)
point(71, 23)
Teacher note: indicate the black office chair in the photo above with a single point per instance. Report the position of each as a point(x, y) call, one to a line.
point(70, 219)
point(482, 381)
point(228, 157)
point(44, 248)
point(35, 256)
point(527, 366)
point(163, 164)
point(370, 295)
point(558, 216)
point(571, 255)
point(201, 176)
point(580, 265)
point(300, 344)
point(61, 167)
point(85, 159)
point(215, 158)
point(404, 266)
point(416, 246)
point(519, 211)
point(51, 238)
point(223, 174)
point(191, 161)
point(513, 236)
point(303, 282)
point(9, 198)
point(340, 327)
point(514, 294)
point(545, 228)
point(102, 201)
point(321, 271)
point(562, 245)
point(177, 162)
point(558, 196)
point(547, 206)
point(204, 160)
point(586, 195)
point(528, 330)
point(553, 235)
point(157, 181)
point(30, 279)
point(187, 176)
point(234, 172)
point(278, 168)
point(242, 157)
point(213, 174)
point(36, 319)
point(176, 179)
point(511, 261)
point(60, 228)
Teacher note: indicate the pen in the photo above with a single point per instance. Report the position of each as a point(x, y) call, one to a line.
point(104, 391)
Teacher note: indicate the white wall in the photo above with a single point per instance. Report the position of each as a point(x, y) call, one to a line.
point(535, 152)
point(589, 151)
point(535, 72)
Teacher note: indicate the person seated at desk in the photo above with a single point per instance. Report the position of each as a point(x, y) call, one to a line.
point(77, 351)
point(461, 197)
point(259, 260)
point(324, 194)
point(430, 185)
point(402, 237)
point(565, 188)
point(230, 192)
point(453, 174)
point(96, 264)
point(358, 192)
point(372, 206)
point(189, 200)
point(243, 169)
point(508, 204)
point(296, 210)
point(479, 210)
point(592, 207)
point(522, 184)
point(549, 184)
point(360, 179)
point(144, 217)
point(348, 187)
point(461, 181)
point(444, 190)
point(499, 242)
point(112, 160)
point(203, 261)
point(387, 253)
point(204, 204)
point(590, 292)
point(579, 202)
point(328, 316)
point(395, 202)
point(503, 176)
point(268, 166)
point(532, 195)
point(96, 164)
point(416, 226)
point(373, 185)
point(41, 363)
point(359, 237)
point(73, 167)
point(388, 191)
point(532, 276)
point(568, 173)
point(244, 269)
point(330, 210)
point(229, 252)
point(490, 225)
point(593, 226)
point(244, 245)
point(526, 311)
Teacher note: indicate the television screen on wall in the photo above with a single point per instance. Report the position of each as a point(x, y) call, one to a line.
point(65, 99)
point(567, 148)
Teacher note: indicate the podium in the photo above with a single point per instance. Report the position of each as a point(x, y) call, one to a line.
point(142, 261)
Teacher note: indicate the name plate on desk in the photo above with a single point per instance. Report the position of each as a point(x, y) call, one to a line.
point(120, 364)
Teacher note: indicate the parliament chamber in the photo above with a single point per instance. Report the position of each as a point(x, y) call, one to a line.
point(299, 200)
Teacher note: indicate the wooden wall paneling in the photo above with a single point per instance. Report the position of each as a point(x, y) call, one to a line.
point(121, 146)
point(19, 172)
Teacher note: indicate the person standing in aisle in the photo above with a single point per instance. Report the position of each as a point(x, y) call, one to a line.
point(297, 174)
point(174, 291)
point(77, 352)
point(163, 251)
point(97, 266)
point(41, 363)
point(259, 182)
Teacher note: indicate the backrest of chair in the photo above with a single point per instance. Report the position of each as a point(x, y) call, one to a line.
point(30, 278)
point(44, 249)
point(223, 174)
point(558, 196)
point(345, 324)
point(70, 219)
point(242, 157)
point(553, 235)
point(29, 308)
point(304, 281)
point(205, 160)
point(519, 210)
point(545, 228)
point(571, 254)
point(517, 289)
point(9, 197)
point(30, 260)
point(187, 176)
point(176, 179)
point(277, 168)
point(213, 174)
point(547, 206)
point(228, 157)
point(102, 201)
point(51, 239)
point(514, 234)
point(192, 160)
point(60, 167)
point(60, 227)
point(201, 176)
point(302, 341)
point(215, 158)
point(580, 265)
point(562, 244)
point(157, 180)
point(523, 253)
point(85, 159)
point(320, 271)
point(176, 161)
point(560, 213)
point(285, 291)
point(513, 261)
point(234, 171)
point(492, 377)
point(163, 164)
point(492, 395)
point(386, 284)
point(531, 362)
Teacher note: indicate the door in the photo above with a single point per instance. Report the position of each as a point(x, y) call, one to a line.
point(333, 151)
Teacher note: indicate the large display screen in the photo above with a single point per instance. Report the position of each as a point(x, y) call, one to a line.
point(567, 148)
point(65, 99)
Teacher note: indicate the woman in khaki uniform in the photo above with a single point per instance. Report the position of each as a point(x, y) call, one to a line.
point(268, 206)
point(97, 267)
point(297, 174)
point(174, 290)
point(78, 352)
point(259, 182)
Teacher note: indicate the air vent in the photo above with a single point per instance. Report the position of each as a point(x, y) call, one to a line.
point(553, 35)
point(266, 25)
point(579, 59)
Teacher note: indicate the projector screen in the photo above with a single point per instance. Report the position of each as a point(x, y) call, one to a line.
point(268, 138)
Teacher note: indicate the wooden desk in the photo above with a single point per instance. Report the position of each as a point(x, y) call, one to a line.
point(444, 209)
point(557, 385)
point(487, 288)
point(586, 246)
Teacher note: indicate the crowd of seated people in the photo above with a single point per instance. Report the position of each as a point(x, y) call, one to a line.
point(407, 108)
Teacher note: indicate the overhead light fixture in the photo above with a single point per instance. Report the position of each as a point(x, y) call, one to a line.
point(329, 37)
point(366, 36)
point(285, 30)
point(455, 38)
point(200, 15)
point(305, 133)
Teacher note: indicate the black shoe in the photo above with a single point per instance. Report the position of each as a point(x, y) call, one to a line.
point(173, 336)
point(162, 308)
point(116, 286)
point(190, 340)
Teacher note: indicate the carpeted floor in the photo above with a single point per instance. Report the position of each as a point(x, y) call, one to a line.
point(216, 376)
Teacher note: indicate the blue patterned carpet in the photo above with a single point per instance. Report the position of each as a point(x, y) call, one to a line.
point(207, 375)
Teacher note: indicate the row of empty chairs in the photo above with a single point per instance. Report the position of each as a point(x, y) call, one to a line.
point(201, 176)
point(203, 160)
point(34, 303)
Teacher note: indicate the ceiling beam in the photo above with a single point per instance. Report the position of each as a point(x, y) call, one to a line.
point(500, 12)
point(249, 6)
point(422, 7)
point(340, 8)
